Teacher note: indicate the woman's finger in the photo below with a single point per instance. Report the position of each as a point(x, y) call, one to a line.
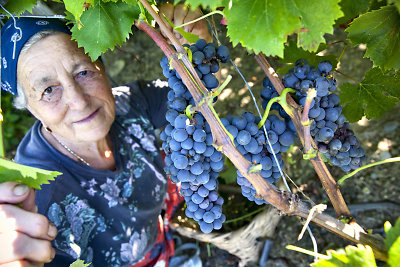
point(22, 263)
point(21, 246)
point(191, 15)
point(202, 32)
point(180, 13)
point(13, 218)
point(11, 192)
point(168, 10)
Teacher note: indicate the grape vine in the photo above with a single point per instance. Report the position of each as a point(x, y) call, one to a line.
point(99, 25)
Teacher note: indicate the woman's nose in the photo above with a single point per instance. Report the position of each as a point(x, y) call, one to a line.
point(74, 95)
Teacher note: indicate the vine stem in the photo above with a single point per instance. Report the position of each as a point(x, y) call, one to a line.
point(328, 182)
point(198, 19)
point(306, 122)
point(345, 177)
point(285, 202)
point(348, 76)
point(175, 42)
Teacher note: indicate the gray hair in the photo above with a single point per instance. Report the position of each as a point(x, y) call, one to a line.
point(20, 101)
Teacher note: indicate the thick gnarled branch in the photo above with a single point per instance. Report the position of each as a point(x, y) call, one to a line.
point(327, 180)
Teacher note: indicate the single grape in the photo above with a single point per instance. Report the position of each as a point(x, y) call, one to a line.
point(243, 137)
point(209, 51)
point(210, 81)
point(325, 67)
point(198, 57)
point(204, 68)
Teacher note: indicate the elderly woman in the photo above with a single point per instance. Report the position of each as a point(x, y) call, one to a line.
point(105, 208)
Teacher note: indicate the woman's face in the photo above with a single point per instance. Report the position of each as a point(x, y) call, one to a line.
point(65, 90)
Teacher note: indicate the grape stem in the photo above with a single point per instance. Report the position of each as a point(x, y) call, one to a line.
point(342, 53)
point(345, 177)
point(282, 101)
point(198, 19)
point(222, 87)
point(287, 203)
point(348, 76)
point(328, 182)
point(189, 111)
point(306, 122)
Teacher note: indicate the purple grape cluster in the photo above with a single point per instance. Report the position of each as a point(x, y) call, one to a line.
point(329, 127)
point(190, 157)
point(252, 144)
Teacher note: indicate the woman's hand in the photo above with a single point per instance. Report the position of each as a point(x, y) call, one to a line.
point(25, 235)
point(180, 14)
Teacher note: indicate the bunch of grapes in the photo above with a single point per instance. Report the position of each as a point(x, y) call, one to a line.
point(329, 127)
point(253, 145)
point(190, 157)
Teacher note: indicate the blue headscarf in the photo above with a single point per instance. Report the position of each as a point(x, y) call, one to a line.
point(13, 39)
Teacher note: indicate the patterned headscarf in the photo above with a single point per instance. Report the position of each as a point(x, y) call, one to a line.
point(13, 37)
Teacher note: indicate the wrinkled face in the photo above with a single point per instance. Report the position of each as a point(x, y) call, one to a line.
point(65, 90)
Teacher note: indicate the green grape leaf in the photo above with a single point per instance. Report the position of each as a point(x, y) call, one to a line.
point(213, 4)
point(104, 25)
point(264, 25)
point(317, 18)
point(376, 94)
point(77, 7)
point(394, 254)
point(70, 18)
point(131, 2)
point(79, 263)
point(351, 256)
point(396, 3)
point(17, 7)
point(392, 233)
point(293, 53)
point(351, 9)
point(378, 29)
point(32, 177)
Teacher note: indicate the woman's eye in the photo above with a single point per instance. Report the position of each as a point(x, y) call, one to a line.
point(83, 73)
point(48, 90)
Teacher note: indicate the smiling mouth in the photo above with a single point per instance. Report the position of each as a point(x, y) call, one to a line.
point(90, 117)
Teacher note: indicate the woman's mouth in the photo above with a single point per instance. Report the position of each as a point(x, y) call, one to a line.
point(89, 118)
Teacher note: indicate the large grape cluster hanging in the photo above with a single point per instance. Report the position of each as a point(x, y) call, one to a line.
point(329, 127)
point(190, 157)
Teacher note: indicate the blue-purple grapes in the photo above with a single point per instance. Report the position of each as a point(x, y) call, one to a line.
point(190, 157)
point(252, 143)
point(329, 127)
